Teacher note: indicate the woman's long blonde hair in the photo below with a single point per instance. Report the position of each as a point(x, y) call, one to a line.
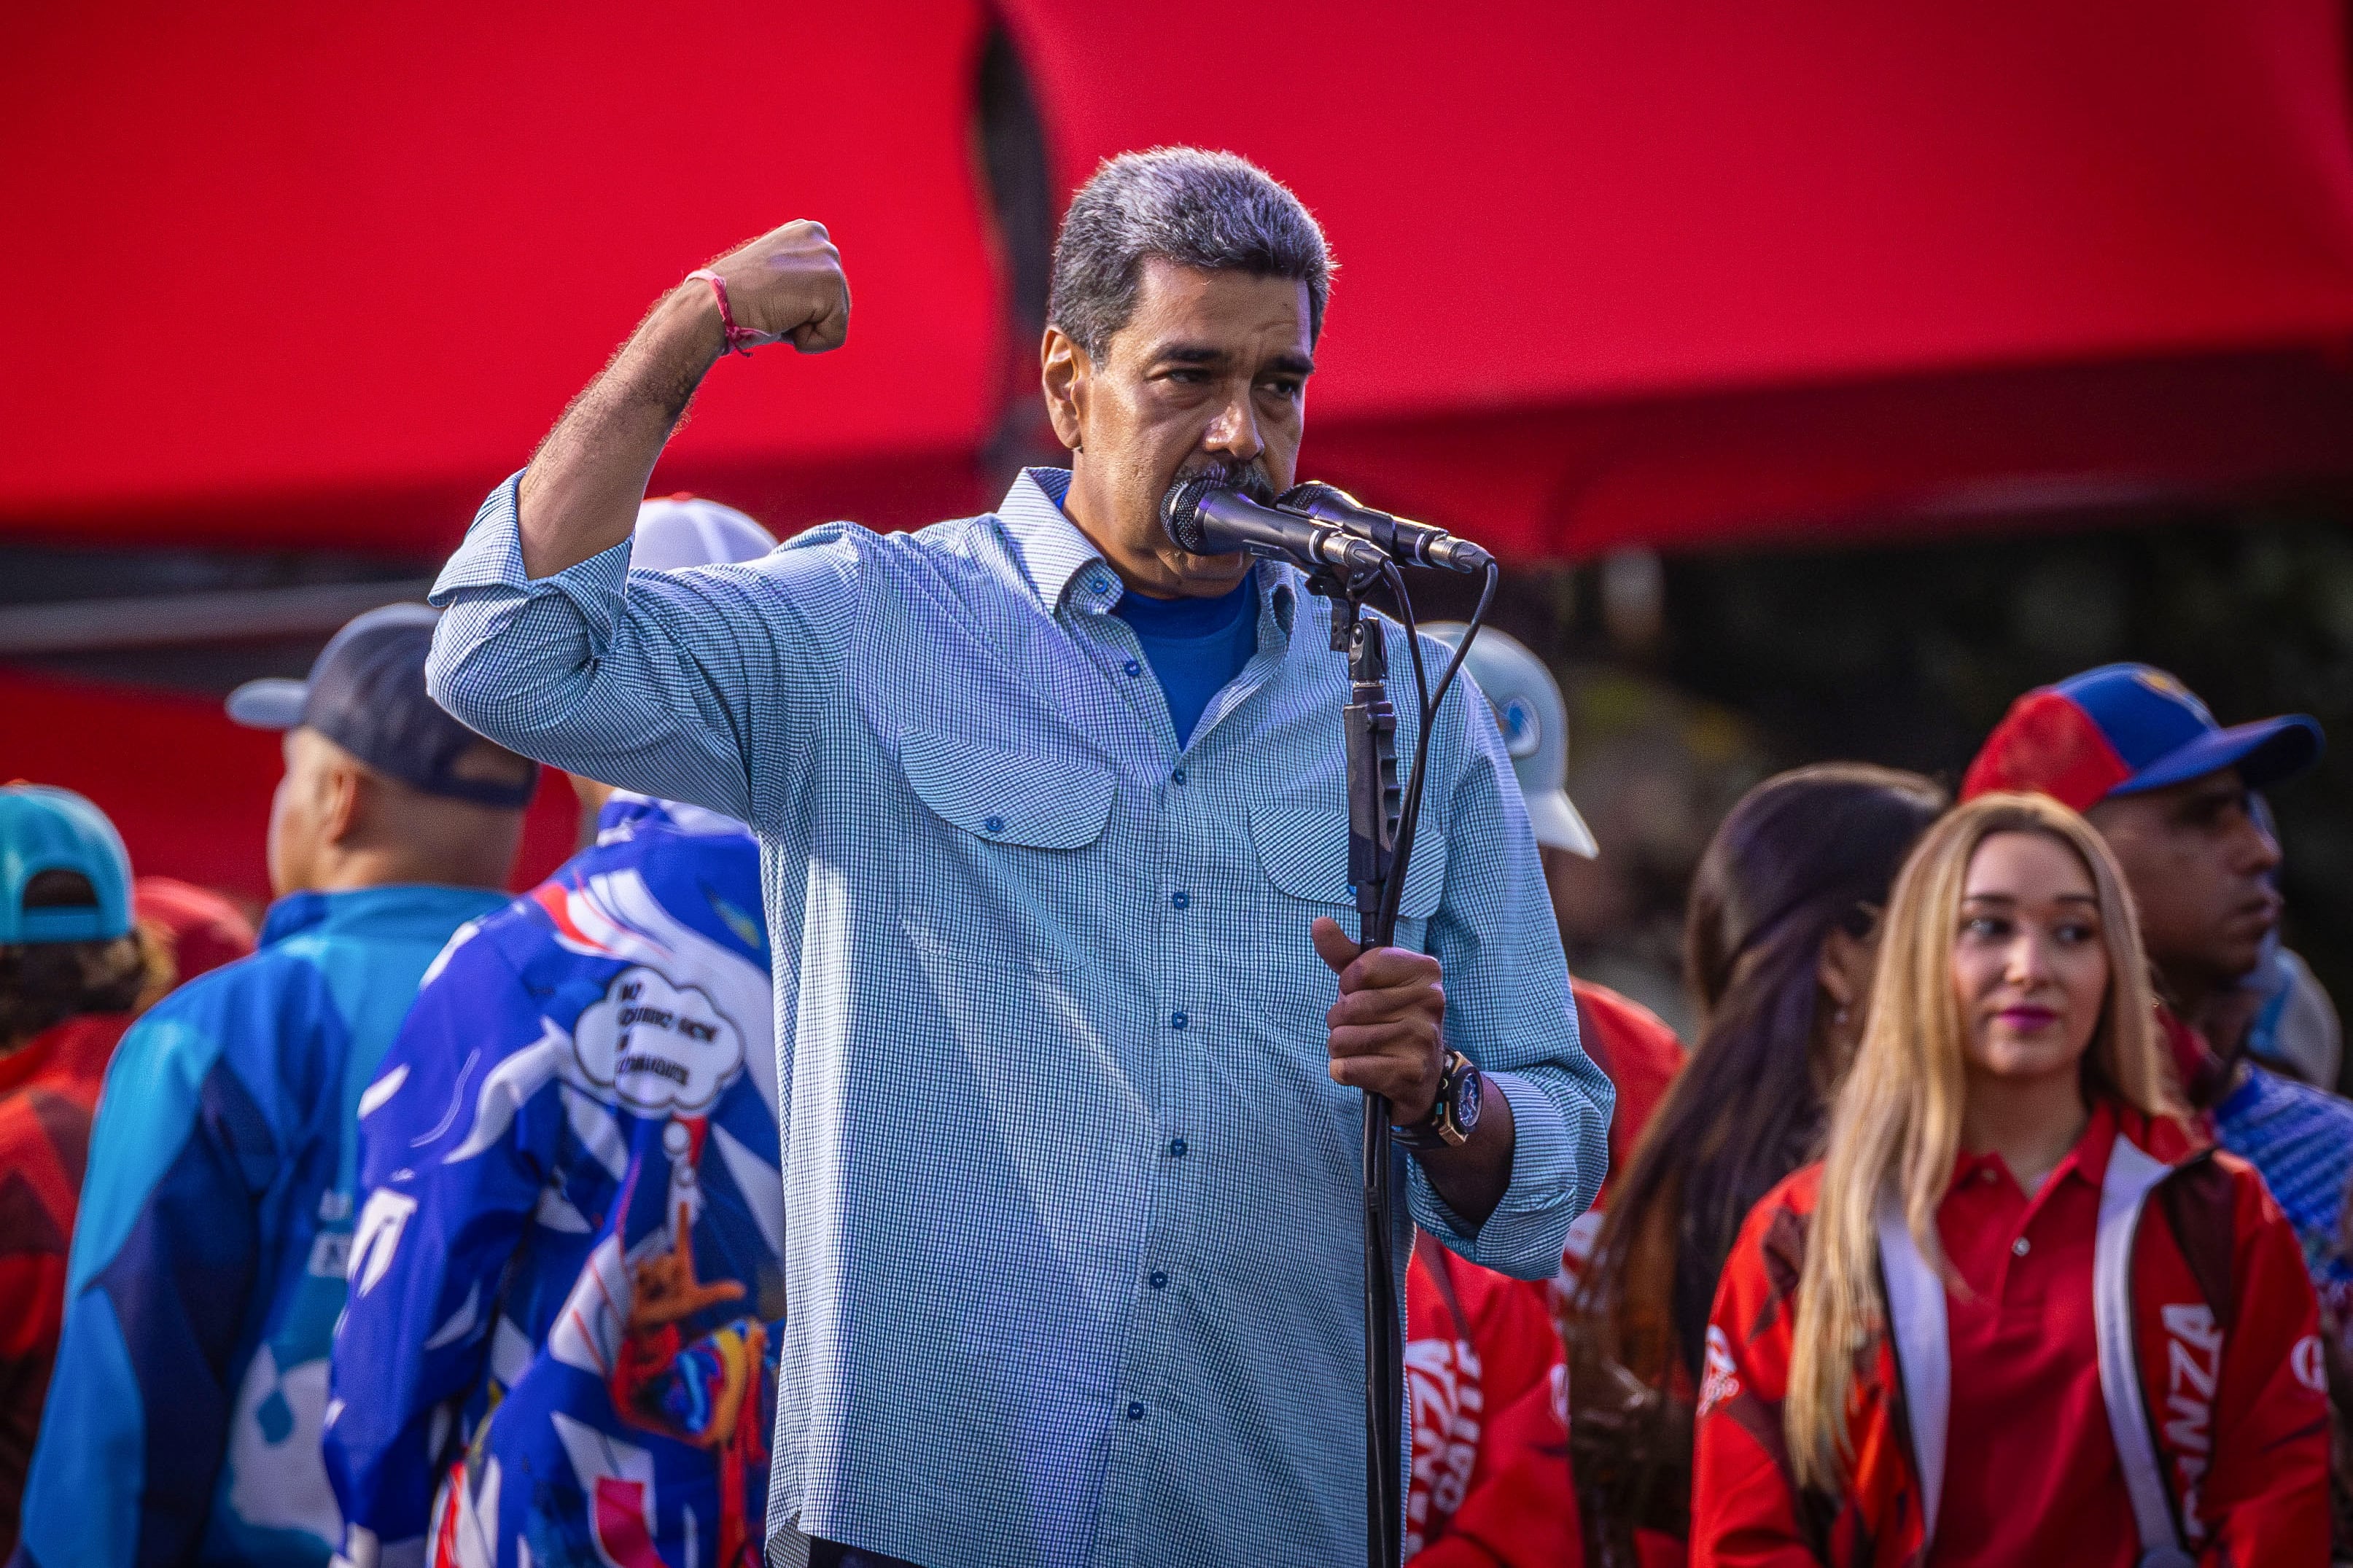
point(1896, 1124)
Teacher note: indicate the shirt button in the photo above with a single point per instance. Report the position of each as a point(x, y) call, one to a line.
point(1159, 1279)
point(1177, 1148)
point(1176, 778)
point(2018, 1248)
point(1180, 1018)
point(1181, 901)
point(1136, 1410)
point(1133, 668)
point(993, 825)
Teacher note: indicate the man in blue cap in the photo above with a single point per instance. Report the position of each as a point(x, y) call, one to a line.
point(71, 968)
point(207, 1272)
point(2174, 793)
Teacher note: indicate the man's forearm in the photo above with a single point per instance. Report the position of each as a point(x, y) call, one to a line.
point(579, 497)
point(1474, 1177)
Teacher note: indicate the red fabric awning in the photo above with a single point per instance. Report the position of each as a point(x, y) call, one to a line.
point(1640, 274)
point(320, 276)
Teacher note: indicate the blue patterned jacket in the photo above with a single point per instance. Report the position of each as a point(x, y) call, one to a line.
point(569, 1171)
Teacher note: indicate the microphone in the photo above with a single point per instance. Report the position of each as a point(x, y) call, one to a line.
point(1205, 516)
point(1414, 544)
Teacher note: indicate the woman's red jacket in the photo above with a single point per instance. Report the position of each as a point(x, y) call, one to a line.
point(2250, 1469)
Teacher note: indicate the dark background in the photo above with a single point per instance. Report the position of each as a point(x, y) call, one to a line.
point(1691, 677)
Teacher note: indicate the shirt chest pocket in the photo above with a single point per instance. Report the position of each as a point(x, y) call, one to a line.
point(1302, 851)
point(996, 867)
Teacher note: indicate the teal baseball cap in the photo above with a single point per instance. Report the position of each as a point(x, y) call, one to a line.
point(48, 829)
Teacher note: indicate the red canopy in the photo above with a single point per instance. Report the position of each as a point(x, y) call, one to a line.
point(320, 276)
point(1610, 272)
point(1638, 273)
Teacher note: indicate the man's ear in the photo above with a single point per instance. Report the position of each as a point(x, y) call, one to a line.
point(1064, 371)
point(347, 794)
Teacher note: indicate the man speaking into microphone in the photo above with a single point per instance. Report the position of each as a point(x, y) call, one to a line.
point(1055, 843)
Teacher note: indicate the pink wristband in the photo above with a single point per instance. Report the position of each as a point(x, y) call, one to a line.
point(740, 340)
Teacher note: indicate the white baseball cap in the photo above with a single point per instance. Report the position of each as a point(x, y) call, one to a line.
point(1535, 721)
point(682, 531)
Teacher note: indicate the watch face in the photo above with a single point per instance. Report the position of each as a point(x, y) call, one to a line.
point(1468, 1092)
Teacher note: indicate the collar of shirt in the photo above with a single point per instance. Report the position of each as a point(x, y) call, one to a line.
point(2205, 1076)
point(404, 908)
point(1061, 561)
point(2087, 1162)
point(1987, 1217)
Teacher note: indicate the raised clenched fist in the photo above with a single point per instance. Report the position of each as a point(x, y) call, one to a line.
point(787, 285)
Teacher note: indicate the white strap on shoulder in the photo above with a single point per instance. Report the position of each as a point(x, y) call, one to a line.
point(1923, 1356)
point(2131, 1174)
point(1923, 1353)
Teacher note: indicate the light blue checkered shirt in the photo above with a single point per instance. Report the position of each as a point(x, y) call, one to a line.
point(1073, 1255)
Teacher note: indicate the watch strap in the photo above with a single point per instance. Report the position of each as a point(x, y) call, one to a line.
point(1430, 1132)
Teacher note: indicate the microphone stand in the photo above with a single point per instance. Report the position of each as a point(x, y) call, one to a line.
point(1380, 846)
point(1368, 725)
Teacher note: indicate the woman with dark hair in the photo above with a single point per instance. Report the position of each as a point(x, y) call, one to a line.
point(1778, 947)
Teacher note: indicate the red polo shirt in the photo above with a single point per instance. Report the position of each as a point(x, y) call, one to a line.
point(2031, 1472)
point(1640, 1053)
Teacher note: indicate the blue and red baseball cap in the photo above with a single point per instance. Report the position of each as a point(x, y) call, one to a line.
point(2127, 729)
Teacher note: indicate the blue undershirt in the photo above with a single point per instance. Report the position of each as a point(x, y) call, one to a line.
point(1194, 646)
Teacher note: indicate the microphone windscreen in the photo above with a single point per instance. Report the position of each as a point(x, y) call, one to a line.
point(1303, 497)
point(1180, 512)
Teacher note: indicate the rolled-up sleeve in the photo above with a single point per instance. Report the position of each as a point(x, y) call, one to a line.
point(671, 683)
point(1508, 1008)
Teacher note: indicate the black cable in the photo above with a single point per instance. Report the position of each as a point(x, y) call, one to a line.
point(1409, 807)
point(1383, 1329)
point(1404, 601)
point(1471, 633)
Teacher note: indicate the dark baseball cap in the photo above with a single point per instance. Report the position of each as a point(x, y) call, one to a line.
point(366, 693)
point(2127, 729)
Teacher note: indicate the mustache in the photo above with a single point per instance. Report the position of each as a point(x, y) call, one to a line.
point(1251, 479)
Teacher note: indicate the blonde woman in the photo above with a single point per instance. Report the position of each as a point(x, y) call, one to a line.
point(2012, 1318)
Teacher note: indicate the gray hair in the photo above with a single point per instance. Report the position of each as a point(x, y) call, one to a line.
point(1212, 211)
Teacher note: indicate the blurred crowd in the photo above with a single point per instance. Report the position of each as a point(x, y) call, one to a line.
point(1992, 1206)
